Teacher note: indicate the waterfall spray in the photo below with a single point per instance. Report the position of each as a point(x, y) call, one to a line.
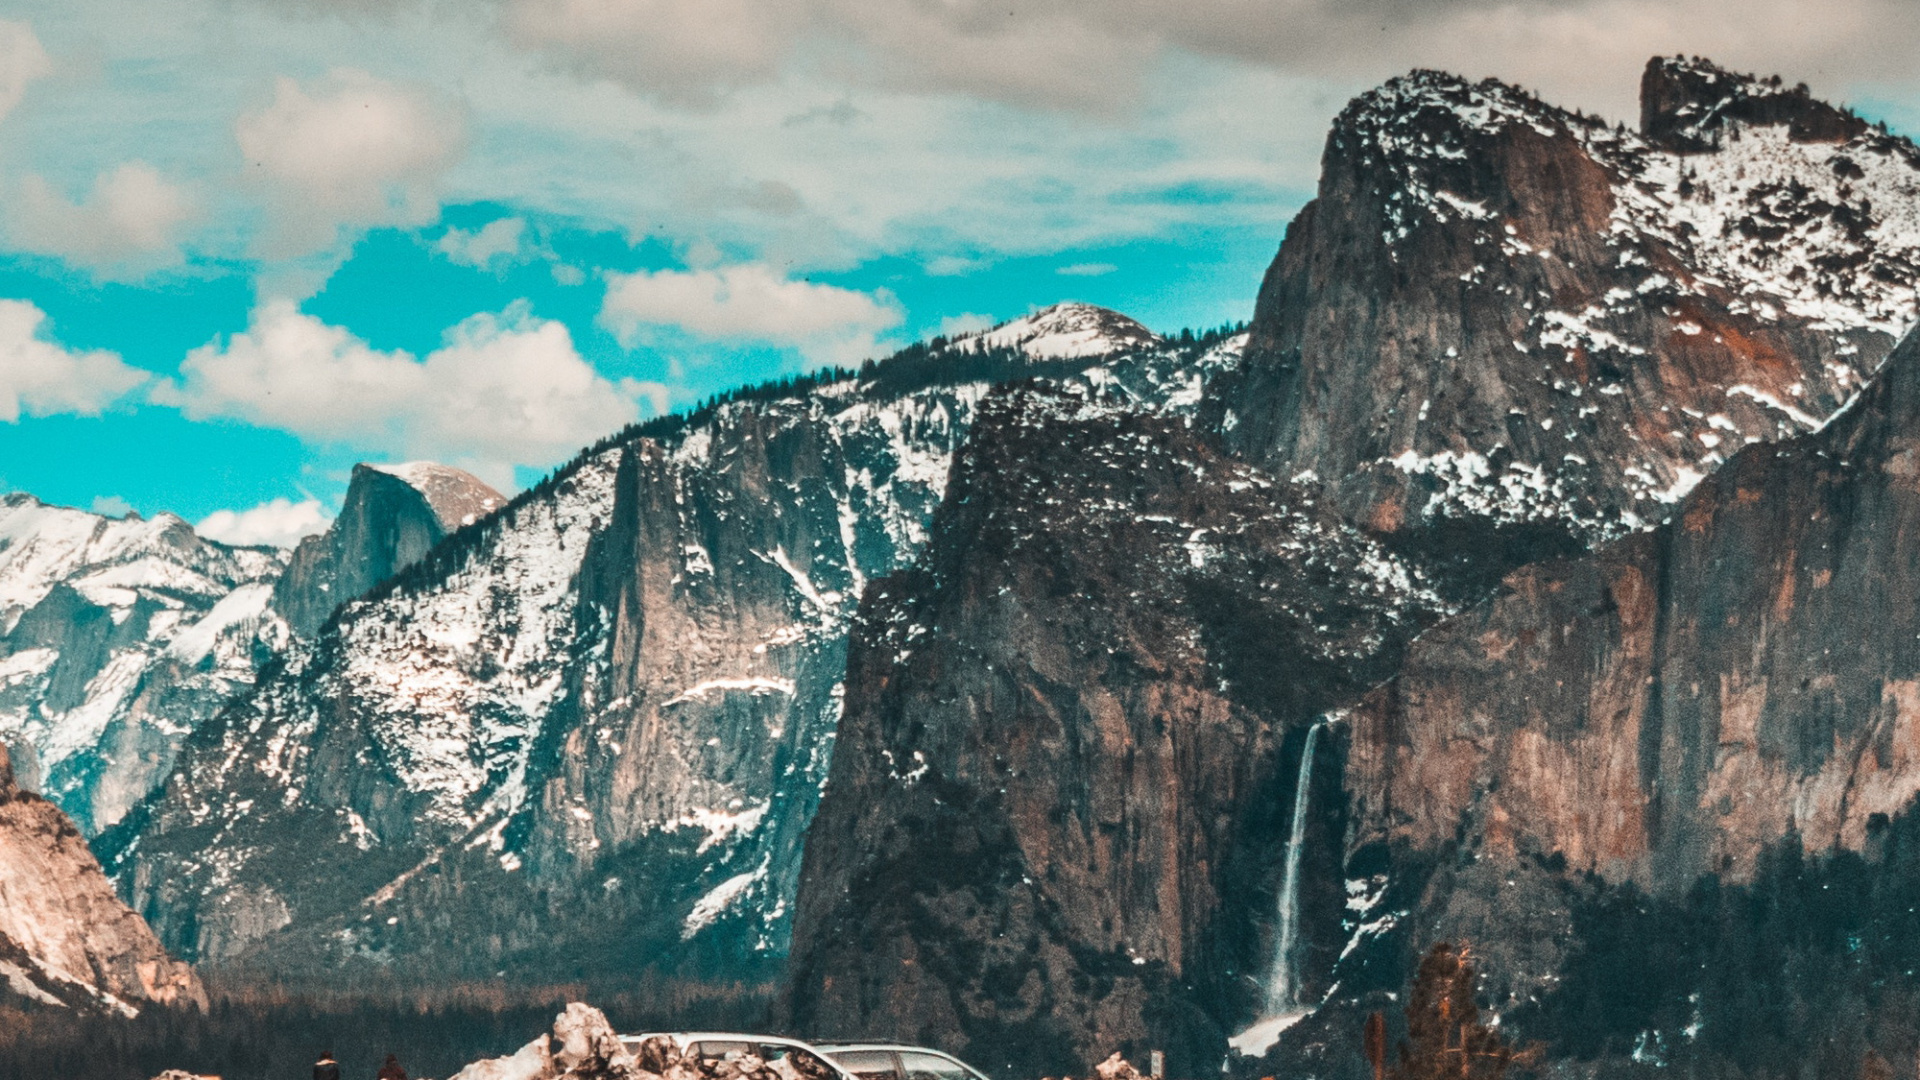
point(1283, 988)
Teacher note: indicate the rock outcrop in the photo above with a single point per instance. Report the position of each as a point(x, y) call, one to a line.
point(117, 637)
point(391, 517)
point(65, 939)
point(1677, 706)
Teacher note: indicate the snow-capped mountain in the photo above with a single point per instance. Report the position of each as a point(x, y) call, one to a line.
point(610, 704)
point(1500, 313)
point(120, 636)
point(117, 637)
point(1066, 651)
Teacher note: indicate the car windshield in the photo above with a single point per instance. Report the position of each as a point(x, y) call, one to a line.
point(920, 1065)
point(866, 1064)
point(718, 1049)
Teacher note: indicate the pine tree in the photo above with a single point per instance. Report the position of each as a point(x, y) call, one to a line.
point(1445, 1038)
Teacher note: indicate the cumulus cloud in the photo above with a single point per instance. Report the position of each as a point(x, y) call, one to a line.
point(22, 60)
point(274, 523)
point(41, 378)
point(502, 390)
point(131, 217)
point(352, 150)
point(749, 302)
point(495, 242)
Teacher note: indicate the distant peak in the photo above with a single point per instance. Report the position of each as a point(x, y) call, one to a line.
point(1065, 331)
point(1686, 102)
point(456, 497)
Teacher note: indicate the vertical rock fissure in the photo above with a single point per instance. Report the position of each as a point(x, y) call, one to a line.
point(1283, 980)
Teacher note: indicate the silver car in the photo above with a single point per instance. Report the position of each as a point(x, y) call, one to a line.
point(891, 1061)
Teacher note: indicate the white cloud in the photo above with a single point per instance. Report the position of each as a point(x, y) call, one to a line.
point(1094, 269)
point(130, 217)
point(111, 506)
point(749, 302)
point(354, 150)
point(502, 390)
point(498, 240)
point(275, 523)
point(22, 60)
point(966, 323)
point(40, 378)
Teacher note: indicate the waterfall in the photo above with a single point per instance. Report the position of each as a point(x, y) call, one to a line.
point(1282, 980)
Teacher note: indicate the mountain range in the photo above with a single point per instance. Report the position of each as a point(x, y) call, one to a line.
point(1532, 570)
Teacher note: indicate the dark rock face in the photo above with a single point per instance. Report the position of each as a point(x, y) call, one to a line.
point(1499, 314)
point(1062, 738)
point(65, 939)
point(391, 517)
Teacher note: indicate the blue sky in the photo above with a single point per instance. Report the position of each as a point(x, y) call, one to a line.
point(245, 244)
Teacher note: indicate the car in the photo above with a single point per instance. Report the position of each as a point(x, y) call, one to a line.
point(893, 1061)
point(780, 1054)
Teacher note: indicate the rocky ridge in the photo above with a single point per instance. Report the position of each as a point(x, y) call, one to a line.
point(1058, 756)
point(391, 517)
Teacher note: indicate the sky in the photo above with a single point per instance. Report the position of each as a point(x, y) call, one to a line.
point(245, 244)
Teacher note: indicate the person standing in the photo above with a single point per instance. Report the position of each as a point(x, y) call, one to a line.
point(326, 1068)
point(392, 1070)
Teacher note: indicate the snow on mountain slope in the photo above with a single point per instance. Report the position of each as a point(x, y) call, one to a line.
point(118, 636)
point(620, 691)
point(1502, 312)
point(1065, 331)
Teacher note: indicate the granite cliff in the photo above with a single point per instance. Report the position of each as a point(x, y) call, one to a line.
point(66, 941)
point(1502, 333)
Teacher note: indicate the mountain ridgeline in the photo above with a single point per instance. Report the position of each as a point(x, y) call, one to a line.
point(586, 736)
point(1558, 499)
